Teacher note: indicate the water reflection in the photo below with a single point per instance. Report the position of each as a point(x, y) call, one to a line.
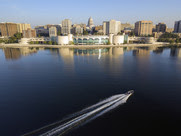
point(17, 53)
point(175, 52)
point(67, 54)
point(141, 52)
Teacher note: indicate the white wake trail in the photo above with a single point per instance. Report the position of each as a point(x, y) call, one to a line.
point(97, 110)
point(82, 117)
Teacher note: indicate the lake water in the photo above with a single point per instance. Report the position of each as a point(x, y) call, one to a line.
point(39, 86)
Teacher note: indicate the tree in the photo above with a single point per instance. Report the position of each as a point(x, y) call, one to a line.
point(125, 41)
point(50, 42)
point(108, 43)
point(85, 32)
point(36, 42)
point(131, 34)
point(31, 42)
point(18, 35)
point(71, 43)
point(59, 33)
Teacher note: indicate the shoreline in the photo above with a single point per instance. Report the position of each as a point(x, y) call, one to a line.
point(83, 46)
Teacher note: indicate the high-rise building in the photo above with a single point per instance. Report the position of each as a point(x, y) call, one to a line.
point(161, 27)
point(66, 27)
point(143, 28)
point(90, 23)
point(177, 27)
point(52, 31)
point(22, 27)
point(29, 33)
point(8, 29)
point(111, 27)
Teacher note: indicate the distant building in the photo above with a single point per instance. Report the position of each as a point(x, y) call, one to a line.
point(29, 33)
point(90, 23)
point(98, 29)
point(169, 30)
point(42, 31)
point(111, 27)
point(8, 29)
point(143, 28)
point(77, 29)
point(126, 26)
point(66, 27)
point(161, 27)
point(52, 31)
point(177, 27)
point(22, 27)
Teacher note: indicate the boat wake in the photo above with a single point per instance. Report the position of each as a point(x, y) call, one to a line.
point(82, 117)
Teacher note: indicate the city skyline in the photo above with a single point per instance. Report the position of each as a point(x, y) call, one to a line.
point(43, 12)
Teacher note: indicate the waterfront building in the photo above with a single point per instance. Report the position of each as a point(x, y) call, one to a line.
point(143, 28)
point(36, 39)
point(177, 27)
point(8, 29)
point(161, 27)
point(22, 26)
point(90, 23)
point(52, 31)
point(66, 27)
point(29, 33)
point(111, 27)
point(100, 39)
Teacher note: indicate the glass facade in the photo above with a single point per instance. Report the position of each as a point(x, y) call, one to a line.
point(90, 41)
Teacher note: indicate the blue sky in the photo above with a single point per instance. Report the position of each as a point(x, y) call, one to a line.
point(41, 12)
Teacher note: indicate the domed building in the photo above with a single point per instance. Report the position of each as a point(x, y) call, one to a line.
point(90, 23)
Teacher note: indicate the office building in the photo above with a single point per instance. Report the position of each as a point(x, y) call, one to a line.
point(29, 33)
point(21, 27)
point(66, 27)
point(52, 31)
point(161, 27)
point(177, 27)
point(111, 27)
point(143, 28)
point(8, 29)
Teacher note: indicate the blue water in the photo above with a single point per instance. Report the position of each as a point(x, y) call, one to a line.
point(39, 86)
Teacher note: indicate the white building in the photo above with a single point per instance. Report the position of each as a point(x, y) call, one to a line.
point(52, 31)
point(90, 23)
point(111, 27)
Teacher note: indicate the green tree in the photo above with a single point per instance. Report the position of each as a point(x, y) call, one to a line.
point(71, 43)
point(31, 42)
point(50, 42)
point(59, 33)
point(108, 43)
point(85, 32)
point(18, 35)
point(125, 42)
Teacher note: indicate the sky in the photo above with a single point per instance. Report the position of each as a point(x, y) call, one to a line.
point(42, 12)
